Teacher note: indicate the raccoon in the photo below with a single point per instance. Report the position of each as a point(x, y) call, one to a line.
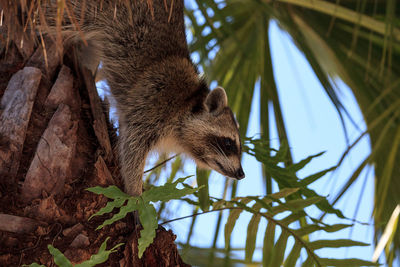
point(162, 101)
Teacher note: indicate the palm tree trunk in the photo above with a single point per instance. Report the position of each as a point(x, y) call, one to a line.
point(56, 141)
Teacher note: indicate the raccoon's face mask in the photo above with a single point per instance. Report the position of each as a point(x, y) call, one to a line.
point(215, 143)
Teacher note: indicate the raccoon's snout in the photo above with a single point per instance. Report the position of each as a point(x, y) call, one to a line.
point(235, 174)
point(239, 174)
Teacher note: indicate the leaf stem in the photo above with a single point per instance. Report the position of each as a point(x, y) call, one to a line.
point(161, 163)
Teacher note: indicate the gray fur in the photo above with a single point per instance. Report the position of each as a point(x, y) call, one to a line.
point(161, 99)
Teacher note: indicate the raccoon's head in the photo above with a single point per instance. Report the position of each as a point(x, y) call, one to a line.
point(211, 137)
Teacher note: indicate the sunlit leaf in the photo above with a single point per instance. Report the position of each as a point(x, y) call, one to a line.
point(252, 229)
point(308, 229)
point(101, 256)
point(112, 192)
point(268, 245)
point(168, 191)
point(202, 181)
point(231, 221)
point(148, 218)
point(279, 249)
point(291, 260)
point(346, 262)
point(58, 257)
point(337, 243)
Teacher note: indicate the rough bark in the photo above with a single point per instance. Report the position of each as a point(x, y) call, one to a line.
point(47, 171)
point(16, 107)
point(56, 141)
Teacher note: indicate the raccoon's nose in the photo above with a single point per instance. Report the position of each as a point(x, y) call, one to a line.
point(239, 174)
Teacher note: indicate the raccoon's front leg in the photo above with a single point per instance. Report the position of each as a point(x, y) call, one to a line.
point(135, 142)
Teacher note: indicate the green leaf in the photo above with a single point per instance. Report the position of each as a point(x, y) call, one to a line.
point(189, 201)
point(101, 256)
point(282, 153)
point(312, 178)
point(33, 265)
point(296, 204)
point(308, 229)
point(148, 218)
point(309, 262)
point(59, 258)
point(230, 223)
point(286, 177)
point(167, 191)
point(218, 204)
point(301, 164)
point(388, 169)
point(323, 205)
point(337, 243)
point(346, 262)
point(192, 224)
point(112, 192)
point(196, 256)
point(147, 212)
point(202, 181)
point(252, 229)
point(132, 205)
point(343, 13)
point(388, 235)
point(283, 193)
point(279, 249)
point(293, 217)
point(117, 203)
point(176, 166)
point(268, 246)
point(294, 255)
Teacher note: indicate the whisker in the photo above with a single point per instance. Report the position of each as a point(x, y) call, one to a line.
point(225, 156)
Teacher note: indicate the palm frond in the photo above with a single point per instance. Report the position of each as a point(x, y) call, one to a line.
point(356, 42)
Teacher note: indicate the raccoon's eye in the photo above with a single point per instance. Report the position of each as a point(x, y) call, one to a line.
point(228, 144)
point(225, 144)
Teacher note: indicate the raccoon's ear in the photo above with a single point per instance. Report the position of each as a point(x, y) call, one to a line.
point(216, 100)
